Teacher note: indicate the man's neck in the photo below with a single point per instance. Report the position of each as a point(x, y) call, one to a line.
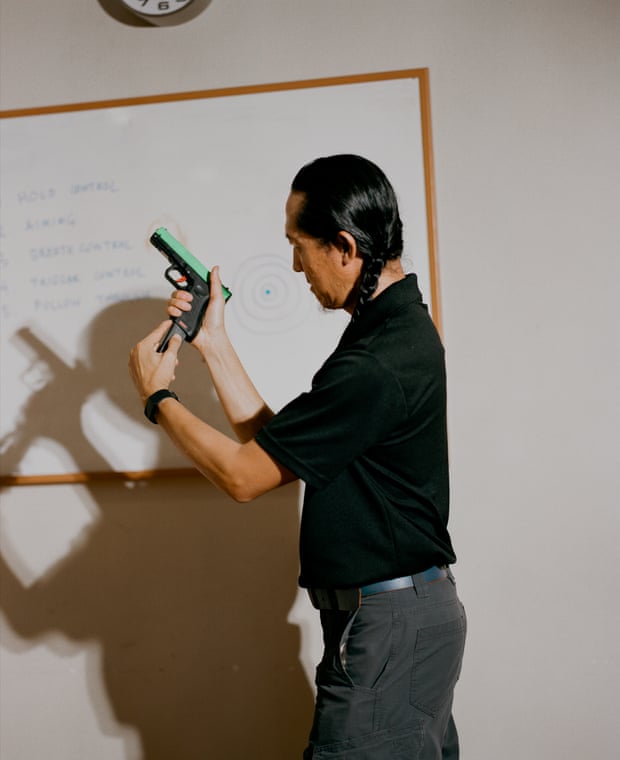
point(392, 272)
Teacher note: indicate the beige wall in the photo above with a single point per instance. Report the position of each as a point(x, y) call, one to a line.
point(160, 621)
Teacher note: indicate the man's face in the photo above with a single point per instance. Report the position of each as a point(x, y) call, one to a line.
point(331, 271)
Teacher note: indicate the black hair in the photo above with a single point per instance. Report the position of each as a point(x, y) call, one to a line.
point(352, 194)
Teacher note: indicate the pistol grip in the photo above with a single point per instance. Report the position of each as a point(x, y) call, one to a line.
point(174, 330)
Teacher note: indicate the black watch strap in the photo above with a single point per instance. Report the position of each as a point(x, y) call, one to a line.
point(152, 402)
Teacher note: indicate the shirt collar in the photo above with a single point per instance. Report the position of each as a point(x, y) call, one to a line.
point(379, 309)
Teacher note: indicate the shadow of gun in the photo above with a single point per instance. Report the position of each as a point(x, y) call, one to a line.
point(52, 410)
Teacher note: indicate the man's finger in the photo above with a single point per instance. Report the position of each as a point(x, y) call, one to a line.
point(158, 333)
point(216, 284)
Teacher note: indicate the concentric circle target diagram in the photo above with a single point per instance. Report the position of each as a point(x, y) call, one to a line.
point(268, 296)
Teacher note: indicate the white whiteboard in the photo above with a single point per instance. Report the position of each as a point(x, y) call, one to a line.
point(82, 190)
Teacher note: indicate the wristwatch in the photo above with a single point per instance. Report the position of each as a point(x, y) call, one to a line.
point(153, 401)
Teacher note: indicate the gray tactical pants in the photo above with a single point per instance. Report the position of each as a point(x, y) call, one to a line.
point(386, 680)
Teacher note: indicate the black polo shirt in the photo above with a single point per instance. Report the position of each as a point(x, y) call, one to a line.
point(369, 440)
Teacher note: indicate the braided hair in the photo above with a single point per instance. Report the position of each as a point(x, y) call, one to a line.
point(349, 193)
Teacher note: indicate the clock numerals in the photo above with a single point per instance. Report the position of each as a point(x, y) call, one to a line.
point(164, 12)
point(163, 5)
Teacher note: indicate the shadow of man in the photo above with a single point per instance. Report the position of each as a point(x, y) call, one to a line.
point(186, 591)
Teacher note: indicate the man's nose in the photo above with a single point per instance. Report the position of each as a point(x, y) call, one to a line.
point(296, 263)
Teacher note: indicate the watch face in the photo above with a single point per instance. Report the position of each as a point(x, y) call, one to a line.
point(156, 7)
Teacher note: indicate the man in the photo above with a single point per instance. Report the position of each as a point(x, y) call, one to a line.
point(369, 441)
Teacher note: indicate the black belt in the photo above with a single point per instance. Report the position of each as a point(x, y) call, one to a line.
point(351, 598)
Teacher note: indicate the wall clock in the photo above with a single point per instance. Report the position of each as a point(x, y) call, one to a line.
point(162, 12)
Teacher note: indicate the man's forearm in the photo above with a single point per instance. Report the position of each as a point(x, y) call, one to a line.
point(242, 470)
point(245, 409)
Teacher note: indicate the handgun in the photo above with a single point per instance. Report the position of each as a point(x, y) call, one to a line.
point(185, 273)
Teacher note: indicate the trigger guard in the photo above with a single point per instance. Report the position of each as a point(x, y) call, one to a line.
point(180, 283)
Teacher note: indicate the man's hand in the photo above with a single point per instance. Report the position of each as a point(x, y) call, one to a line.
point(213, 322)
point(149, 370)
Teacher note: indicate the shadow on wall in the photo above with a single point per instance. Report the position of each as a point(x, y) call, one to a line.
point(186, 592)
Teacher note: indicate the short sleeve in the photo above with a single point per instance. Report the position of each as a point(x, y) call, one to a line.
point(353, 404)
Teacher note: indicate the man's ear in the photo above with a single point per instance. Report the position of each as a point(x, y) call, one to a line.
point(347, 245)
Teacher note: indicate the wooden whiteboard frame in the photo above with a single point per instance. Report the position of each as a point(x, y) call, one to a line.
point(421, 75)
